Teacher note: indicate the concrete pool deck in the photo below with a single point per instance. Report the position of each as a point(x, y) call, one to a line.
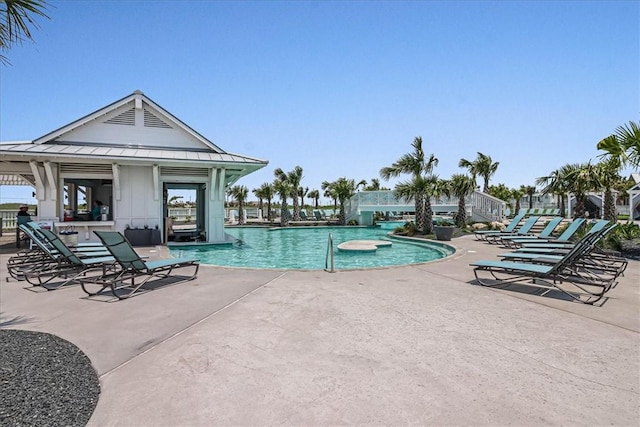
point(400, 345)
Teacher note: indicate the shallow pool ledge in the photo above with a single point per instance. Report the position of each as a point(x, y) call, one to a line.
point(445, 249)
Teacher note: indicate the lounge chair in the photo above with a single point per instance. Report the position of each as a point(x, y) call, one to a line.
point(524, 230)
point(564, 275)
point(545, 233)
point(481, 234)
point(135, 272)
point(36, 227)
point(593, 262)
point(536, 241)
point(319, 215)
point(44, 256)
point(564, 240)
point(304, 216)
point(65, 264)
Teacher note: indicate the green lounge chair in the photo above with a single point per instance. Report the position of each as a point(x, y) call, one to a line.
point(595, 263)
point(564, 238)
point(481, 234)
point(43, 254)
point(65, 264)
point(561, 275)
point(545, 233)
point(496, 238)
point(135, 272)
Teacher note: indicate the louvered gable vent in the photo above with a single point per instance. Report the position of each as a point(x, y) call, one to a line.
point(85, 168)
point(153, 121)
point(128, 118)
point(178, 171)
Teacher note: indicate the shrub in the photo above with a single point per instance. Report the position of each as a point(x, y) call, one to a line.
point(627, 231)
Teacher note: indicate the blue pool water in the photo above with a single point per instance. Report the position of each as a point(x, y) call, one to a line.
point(305, 248)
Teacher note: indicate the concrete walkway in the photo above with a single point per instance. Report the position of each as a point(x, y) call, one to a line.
point(394, 346)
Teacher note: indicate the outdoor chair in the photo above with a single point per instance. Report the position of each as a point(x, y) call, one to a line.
point(592, 262)
point(65, 264)
point(535, 241)
point(43, 254)
point(525, 228)
point(135, 272)
point(481, 234)
point(563, 241)
point(510, 241)
point(564, 275)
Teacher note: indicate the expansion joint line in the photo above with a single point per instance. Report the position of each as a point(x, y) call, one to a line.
point(194, 324)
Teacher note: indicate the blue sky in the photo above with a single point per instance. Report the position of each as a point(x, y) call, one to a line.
point(342, 88)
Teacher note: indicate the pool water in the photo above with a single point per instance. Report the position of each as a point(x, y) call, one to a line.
point(305, 248)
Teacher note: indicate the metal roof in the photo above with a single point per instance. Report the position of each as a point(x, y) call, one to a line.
point(111, 152)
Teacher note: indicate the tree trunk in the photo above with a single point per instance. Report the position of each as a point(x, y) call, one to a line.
point(342, 217)
point(269, 210)
point(420, 219)
point(284, 213)
point(517, 208)
point(608, 206)
point(461, 216)
point(428, 213)
point(579, 209)
point(296, 209)
point(240, 213)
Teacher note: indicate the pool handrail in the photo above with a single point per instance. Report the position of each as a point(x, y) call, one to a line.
point(329, 255)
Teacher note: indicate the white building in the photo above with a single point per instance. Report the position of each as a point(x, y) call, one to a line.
point(127, 155)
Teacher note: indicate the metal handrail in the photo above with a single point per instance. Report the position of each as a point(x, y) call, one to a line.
point(329, 255)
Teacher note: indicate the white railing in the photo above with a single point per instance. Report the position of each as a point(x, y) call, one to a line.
point(484, 206)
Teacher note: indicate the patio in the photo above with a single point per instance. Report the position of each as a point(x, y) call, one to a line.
point(408, 345)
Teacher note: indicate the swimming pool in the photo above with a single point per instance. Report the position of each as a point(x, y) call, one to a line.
point(305, 248)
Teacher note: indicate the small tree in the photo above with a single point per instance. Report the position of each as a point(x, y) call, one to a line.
point(461, 186)
point(315, 195)
point(283, 189)
point(240, 193)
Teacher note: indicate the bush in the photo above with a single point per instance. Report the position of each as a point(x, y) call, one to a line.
point(352, 222)
point(622, 232)
point(409, 229)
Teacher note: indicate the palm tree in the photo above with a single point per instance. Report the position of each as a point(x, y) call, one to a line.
point(606, 177)
point(329, 192)
point(302, 191)
point(581, 179)
point(266, 192)
point(293, 178)
point(482, 166)
point(556, 183)
point(344, 189)
point(256, 192)
point(283, 188)
point(530, 190)
point(623, 145)
point(461, 186)
point(502, 192)
point(315, 195)
point(16, 16)
point(240, 193)
point(174, 200)
point(418, 167)
point(517, 194)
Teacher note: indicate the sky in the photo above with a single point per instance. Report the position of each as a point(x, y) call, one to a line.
point(342, 88)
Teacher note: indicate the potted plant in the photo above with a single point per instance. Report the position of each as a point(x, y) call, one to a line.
point(444, 229)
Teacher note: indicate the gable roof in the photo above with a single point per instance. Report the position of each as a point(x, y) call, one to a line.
point(132, 130)
point(122, 113)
